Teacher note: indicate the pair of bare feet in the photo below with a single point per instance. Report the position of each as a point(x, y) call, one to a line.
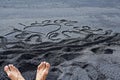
point(14, 74)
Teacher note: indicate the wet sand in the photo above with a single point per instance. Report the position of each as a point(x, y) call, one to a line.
point(80, 40)
point(93, 53)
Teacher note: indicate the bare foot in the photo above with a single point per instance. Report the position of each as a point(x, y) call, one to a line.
point(42, 71)
point(13, 73)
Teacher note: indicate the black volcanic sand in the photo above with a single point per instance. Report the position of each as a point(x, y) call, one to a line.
point(94, 57)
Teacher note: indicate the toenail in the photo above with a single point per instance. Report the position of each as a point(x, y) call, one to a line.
point(10, 64)
point(44, 62)
point(5, 68)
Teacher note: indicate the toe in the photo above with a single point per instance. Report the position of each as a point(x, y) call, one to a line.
point(47, 69)
point(42, 66)
point(11, 67)
point(7, 70)
point(47, 65)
